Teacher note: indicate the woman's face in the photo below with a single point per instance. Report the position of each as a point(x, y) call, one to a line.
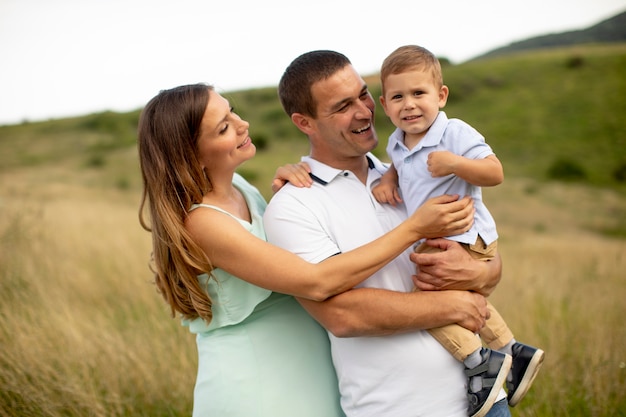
point(224, 142)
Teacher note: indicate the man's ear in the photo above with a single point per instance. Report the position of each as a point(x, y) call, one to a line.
point(302, 122)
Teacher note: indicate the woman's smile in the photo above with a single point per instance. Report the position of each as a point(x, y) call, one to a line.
point(245, 142)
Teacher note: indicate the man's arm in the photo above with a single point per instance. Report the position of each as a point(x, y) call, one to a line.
point(378, 312)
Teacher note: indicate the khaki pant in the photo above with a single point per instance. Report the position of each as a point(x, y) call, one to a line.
point(459, 341)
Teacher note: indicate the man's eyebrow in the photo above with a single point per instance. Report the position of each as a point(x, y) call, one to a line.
point(347, 100)
point(340, 104)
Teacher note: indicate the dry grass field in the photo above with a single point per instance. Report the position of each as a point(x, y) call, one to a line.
point(83, 332)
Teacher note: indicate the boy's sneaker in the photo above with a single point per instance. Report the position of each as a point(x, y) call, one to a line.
point(492, 372)
point(526, 363)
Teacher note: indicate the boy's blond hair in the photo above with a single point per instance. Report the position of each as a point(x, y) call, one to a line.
point(410, 57)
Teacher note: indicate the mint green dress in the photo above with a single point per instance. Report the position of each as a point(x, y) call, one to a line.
point(262, 355)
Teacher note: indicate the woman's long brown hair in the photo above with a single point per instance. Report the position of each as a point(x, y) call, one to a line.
point(173, 180)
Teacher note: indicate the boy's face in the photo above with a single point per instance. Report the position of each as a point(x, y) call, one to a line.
point(412, 101)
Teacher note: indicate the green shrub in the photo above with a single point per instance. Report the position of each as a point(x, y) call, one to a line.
point(248, 174)
point(260, 140)
point(567, 170)
point(96, 161)
point(619, 173)
point(575, 61)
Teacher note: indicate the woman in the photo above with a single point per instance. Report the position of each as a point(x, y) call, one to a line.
point(260, 354)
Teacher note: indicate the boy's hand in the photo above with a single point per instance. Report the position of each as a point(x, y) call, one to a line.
point(386, 192)
point(296, 174)
point(442, 163)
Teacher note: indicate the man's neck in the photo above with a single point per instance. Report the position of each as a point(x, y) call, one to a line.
point(358, 165)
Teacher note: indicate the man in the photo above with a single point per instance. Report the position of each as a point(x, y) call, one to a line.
point(386, 364)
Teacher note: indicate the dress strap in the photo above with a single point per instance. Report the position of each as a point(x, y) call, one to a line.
point(195, 206)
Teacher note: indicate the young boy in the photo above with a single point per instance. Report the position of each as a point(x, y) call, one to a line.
point(434, 155)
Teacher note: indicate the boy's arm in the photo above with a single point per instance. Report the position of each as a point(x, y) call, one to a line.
point(484, 172)
point(387, 189)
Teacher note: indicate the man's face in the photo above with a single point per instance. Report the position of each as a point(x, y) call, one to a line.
point(344, 127)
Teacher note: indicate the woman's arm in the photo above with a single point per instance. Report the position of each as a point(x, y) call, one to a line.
point(235, 250)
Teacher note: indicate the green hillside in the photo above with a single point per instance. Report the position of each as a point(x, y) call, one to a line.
point(607, 31)
point(549, 115)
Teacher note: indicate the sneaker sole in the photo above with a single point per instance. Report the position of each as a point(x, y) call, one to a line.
point(497, 386)
point(528, 378)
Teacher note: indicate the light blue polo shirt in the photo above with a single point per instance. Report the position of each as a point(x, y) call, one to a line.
point(417, 184)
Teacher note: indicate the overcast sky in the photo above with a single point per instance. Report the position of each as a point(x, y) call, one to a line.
point(63, 58)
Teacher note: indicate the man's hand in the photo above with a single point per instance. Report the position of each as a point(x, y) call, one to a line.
point(455, 269)
point(472, 310)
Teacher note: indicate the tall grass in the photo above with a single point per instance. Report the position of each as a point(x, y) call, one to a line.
point(562, 289)
point(566, 295)
point(84, 333)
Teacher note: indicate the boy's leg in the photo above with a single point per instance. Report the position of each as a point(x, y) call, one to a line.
point(496, 334)
point(457, 340)
point(527, 360)
point(486, 369)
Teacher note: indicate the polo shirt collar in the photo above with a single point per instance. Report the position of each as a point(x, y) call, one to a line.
point(323, 174)
point(432, 138)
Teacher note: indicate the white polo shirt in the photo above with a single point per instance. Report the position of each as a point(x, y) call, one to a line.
point(403, 375)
